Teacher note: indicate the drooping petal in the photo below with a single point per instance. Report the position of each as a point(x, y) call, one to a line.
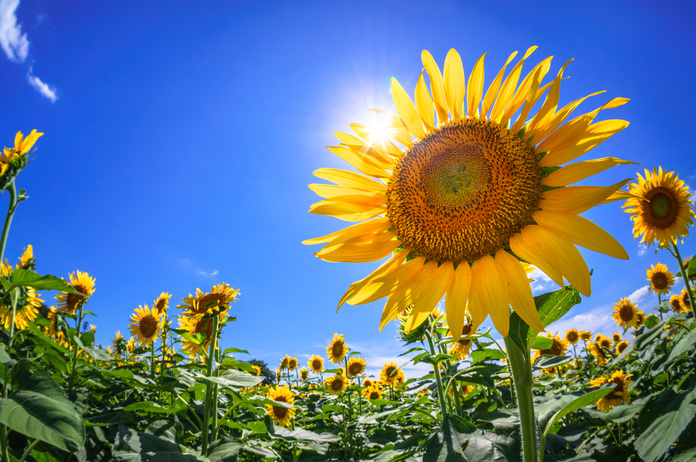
point(528, 246)
point(489, 292)
point(474, 88)
point(566, 259)
point(582, 232)
point(457, 298)
point(455, 84)
point(387, 283)
point(431, 293)
point(405, 297)
point(519, 290)
point(368, 283)
point(577, 199)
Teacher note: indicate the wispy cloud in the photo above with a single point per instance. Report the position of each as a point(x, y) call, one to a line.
point(598, 320)
point(640, 295)
point(542, 282)
point(642, 249)
point(14, 43)
point(189, 265)
point(42, 87)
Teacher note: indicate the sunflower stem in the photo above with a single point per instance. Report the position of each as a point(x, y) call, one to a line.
point(438, 380)
point(521, 367)
point(209, 386)
point(74, 361)
point(685, 278)
point(8, 218)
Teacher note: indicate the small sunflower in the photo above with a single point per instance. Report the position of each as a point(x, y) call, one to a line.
point(558, 347)
point(687, 260)
point(119, 343)
point(27, 308)
point(661, 279)
point(618, 395)
point(356, 366)
point(616, 337)
point(460, 348)
point(337, 350)
point(161, 303)
point(304, 373)
point(586, 335)
point(605, 342)
point(145, 325)
point(316, 364)
point(14, 159)
point(660, 207)
point(625, 313)
point(572, 336)
point(83, 283)
point(216, 301)
point(284, 362)
point(368, 382)
point(292, 363)
point(391, 374)
point(461, 193)
point(281, 415)
point(621, 346)
point(26, 261)
point(336, 384)
point(257, 370)
point(640, 319)
point(372, 392)
point(597, 353)
point(684, 300)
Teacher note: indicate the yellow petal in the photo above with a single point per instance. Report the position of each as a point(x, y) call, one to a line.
point(328, 191)
point(589, 139)
point(581, 231)
point(474, 88)
point(541, 131)
point(492, 91)
point(348, 208)
point(397, 131)
point(387, 283)
point(366, 165)
point(457, 297)
point(437, 86)
point(405, 295)
point(365, 284)
point(29, 141)
point(432, 291)
point(527, 92)
point(361, 147)
point(577, 199)
point(489, 292)
point(360, 252)
point(455, 84)
point(18, 141)
point(360, 229)
point(528, 246)
point(580, 170)
point(407, 110)
point(507, 89)
point(528, 105)
point(548, 109)
point(348, 178)
point(566, 259)
point(424, 104)
point(519, 290)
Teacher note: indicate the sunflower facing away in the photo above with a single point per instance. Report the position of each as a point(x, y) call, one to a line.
point(27, 261)
point(83, 283)
point(660, 207)
point(281, 415)
point(162, 303)
point(675, 303)
point(356, 366)
point(465, 195)
point(337, 350)
point(618, 395)
point(661, 279)
point(626, 313)
point(145, 325)
point(316, 364)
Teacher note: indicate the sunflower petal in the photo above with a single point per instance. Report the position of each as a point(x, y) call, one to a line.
point(361, 251)
point(456, 301)
point(580, 170)
point(348, 178)
point(582, 232)
point(566, 259)
point(528, 246)
point(519, 290)
point(366, 283)
point(526, 93)
point(489, 292)
point(328, 191)
point(388, 283)
point(592, 137)
point(474, 88)
point(362, 162)
point(493, 88)
point(397, 131)
point(365, 228)
point(548, 109)
point(405, 296)
point(437, 86)
point(424, 104)
point(432, 291)
point(507, 89)
point(577, 199)
point(406, 110)
point(455, 84)
point(348, 208)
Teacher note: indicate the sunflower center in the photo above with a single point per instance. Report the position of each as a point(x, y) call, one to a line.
point(463, 190)
point(659, 281)
point(205, 326)
point(663, 207)
point(626, 313)
point(337, 350)
point(572, 337)
point(148, 326)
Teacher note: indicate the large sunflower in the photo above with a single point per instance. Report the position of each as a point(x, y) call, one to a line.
point(316, 364)
point(660, 207)
point(281, 415)
point(83, 283)
point(661, 279)
point(572, 336)
point(337, 350)
point(626, 313)
point(145, 325)
point(462, 193)
point(356, 366)
point(216, 301)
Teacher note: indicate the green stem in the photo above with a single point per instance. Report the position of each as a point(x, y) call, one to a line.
point(438, 380)
point(215, 397)
point(682, 270)
point(4, 443)
point(210, 359)
point(8, 218)
point(28, 450)
point(521, 366)
point(74, 361)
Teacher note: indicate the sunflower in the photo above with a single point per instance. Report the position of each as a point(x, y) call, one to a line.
point(597, 353)
point(304, 373)
point(356, 366)
point(83, 283)
point(372, 392)
point(337, 350)
point(661, 279)
point(618, 395)
point(368, 382)
point(257, 370)
point(687, 260)
point(193, 326)
point(660, 207)
point(640, 319)
point(161, 303)
point(26, 261)
point(119, 343)
point(572, 336)
point(586, 335)
point(145, 325)
point(467, 198)
point(621, 346)
point(625, 313)
point(281, 415)
point(391, 374)
point(605, 342)
point(216, 301)
point(292, 363)
point(616, 337)
point(684, 300)
point(14, 159)
point(336, 384)
point(460, 348)
point(558, 346)
point(316, 364)
point(28, 303)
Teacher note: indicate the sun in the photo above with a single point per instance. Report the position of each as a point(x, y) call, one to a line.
point(466, 190)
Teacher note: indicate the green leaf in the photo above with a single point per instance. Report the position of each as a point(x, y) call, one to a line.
point(21, 277)
point(131, 446)
point(541, 343)
point(39, 409)
point(485, 354)
point(149, 406)
point(448, 445)
point(651, 321)
point(552, 411)
point(233, 378)
point(547, 361)
point(302, 435)
point(691, 269)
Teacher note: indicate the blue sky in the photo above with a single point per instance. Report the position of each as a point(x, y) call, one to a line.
point(180, 138)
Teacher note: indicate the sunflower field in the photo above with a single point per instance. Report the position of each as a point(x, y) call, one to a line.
point(457, 191)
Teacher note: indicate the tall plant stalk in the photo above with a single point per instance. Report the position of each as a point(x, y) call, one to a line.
point(521, 366)
point(210, 359)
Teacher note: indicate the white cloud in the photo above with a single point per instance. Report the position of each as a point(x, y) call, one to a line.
point(13, 41)
point(639, 295)
point(598, 320)
point(642, 249)
point(542, 283)
point(43, 88)
point(208, 274)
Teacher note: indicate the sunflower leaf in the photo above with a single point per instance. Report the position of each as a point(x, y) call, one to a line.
point(21, 277)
